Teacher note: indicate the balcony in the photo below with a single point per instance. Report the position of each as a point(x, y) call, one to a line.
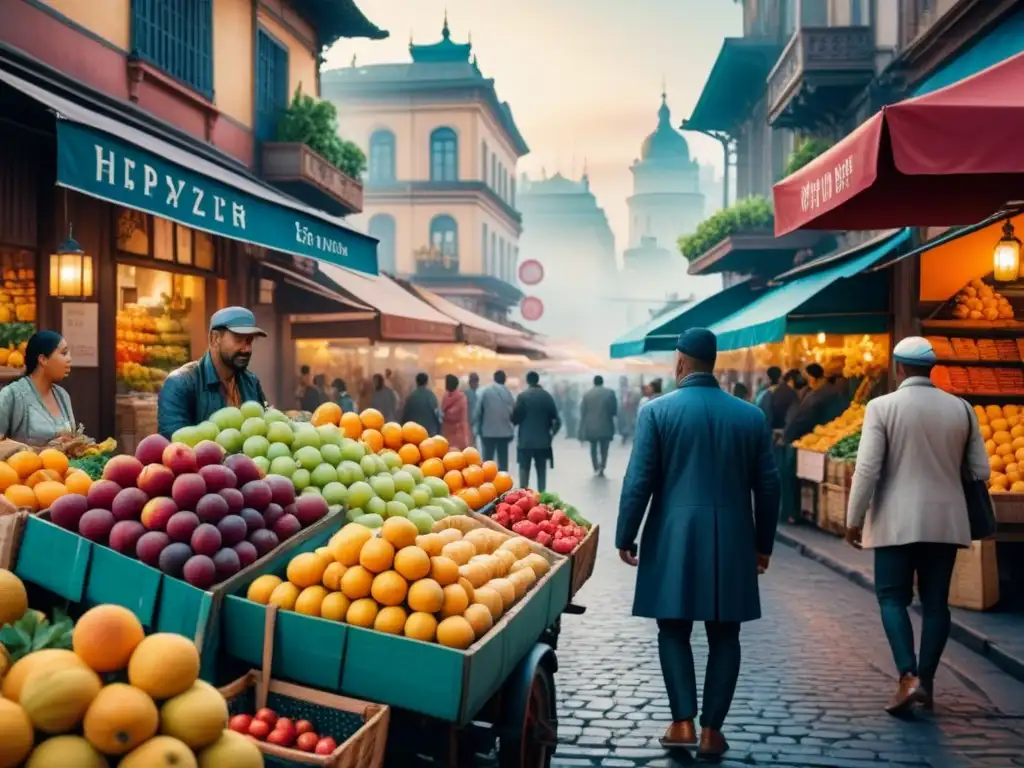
point(306, 175)
point(819, 72)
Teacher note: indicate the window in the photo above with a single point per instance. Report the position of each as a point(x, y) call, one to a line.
point(483, 160)
point(484, 253)
point(382, 156)
point(501, 182)
point(494, 245)
point(858, 18)
point(382, 227)
point(444, 155)
point(271, 85)
point(177, 37)
point(512, 193)
point(500, 269)
point(813, 13)
point(139, 234)
point(444, 246)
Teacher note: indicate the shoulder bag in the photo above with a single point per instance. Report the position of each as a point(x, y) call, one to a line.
point(980, 512)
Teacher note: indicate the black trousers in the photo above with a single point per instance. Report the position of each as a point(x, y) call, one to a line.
point(599, 454)
point(539, 459)
point(496, 449)
point(894, 587)
point(723, 669)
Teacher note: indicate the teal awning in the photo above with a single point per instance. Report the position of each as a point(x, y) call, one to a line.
point(839, 299)
point(659, 334)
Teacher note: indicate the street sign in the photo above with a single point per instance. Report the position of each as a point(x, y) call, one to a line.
point(531, 272)
point(531, 308)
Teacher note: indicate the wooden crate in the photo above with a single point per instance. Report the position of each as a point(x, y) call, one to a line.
point(838, 472)
point(810, 465)
point(1009, 508)
point(975, 583)
point(11, 526)
point(834, 499)
point(809, 500)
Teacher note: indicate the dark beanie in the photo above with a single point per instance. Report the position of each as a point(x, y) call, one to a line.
point(698, 343)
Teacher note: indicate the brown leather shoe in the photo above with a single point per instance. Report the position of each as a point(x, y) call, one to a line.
point(926, 697)
point(680, 734)
point(712, 743)
point(908, 692)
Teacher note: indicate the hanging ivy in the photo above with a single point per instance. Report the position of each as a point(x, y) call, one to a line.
point(752, 213)
point(314, 122)
point(809, 149)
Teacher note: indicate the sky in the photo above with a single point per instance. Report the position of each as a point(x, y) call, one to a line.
point(583, 77)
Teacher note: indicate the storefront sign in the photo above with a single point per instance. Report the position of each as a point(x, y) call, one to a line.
point(80, 327)
point(100, 165)
point(819, 191)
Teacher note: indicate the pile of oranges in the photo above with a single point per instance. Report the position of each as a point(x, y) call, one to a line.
point(35, 480)
point(467, 476)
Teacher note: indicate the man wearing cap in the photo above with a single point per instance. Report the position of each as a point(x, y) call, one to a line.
point(704, 461)
point(218, 379)
point(907, 503)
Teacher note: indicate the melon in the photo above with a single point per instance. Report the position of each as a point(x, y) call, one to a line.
point(17, 734)
point(164, 665)
point(13, 598)
point(48, 658)
point(119, 719)
point(64, 751)
point(56, 700)
point(197, 717)
point(160, 752)
point(231, 749)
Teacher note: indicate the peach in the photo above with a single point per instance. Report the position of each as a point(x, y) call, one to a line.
point(182, 525)
point(123, 470)
point(125, 535)
point(101, 494)
point(68, 510)
point(156, 480)
point(234, 498)
point(179, 458)
point(200, 571)
point(95, 525)
point(211, 508)
point(188, 489)
point(206, 540)
point(151, 449)
point(245, 469)
point(208, 452)
point(257, 494)
point(128, 504)
point(281, 489)
point(309, 508)
point(157, 512)
point(150, 545)
point(218, 477)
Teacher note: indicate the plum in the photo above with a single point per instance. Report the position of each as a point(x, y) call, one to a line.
point(218, 477)
point(286, 527)
point(173, 558)
point(187, 490)
point(246, 552)
point(128, 504)
point(212, 507)
point(125, 535)
point(182, 525)
point(309, 508)
point(96, 524)
point(245, 469)
point(150, 449)
point(208, 453)
point(199, 571)
point(257, 494)
point(234, 498)
point(253, 520)
point(68, 509)
point(150, 545)
point(101, 494)
point(272, 514)
point(281, 489)
point(227, 562)
point(232, 529)
point(264, 540)
point(206, 540)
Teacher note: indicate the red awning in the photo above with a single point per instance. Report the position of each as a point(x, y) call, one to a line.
point(950, 157)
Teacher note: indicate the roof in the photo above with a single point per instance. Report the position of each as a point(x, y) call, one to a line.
point(335, 19)
point(665, 142)
point(443, 50)
point(735, 83)
point(385, 295)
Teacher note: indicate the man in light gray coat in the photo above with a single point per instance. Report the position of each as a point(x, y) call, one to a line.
point(597, 422)
point(907, 503)
point(492, 420)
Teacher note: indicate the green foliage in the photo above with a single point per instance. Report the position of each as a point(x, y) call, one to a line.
point(752, 213)
point(30, 633)
point(809, 149)
point(314, 122)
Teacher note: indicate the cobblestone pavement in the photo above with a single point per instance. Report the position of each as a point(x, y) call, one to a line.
point(816, 671)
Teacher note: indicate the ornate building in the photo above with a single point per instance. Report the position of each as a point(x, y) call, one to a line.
point(440, 192)
point(567, 233)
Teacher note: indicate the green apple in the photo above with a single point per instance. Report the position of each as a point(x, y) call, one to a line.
point(373, 520)
point(283, 465)
point(355, 512)
point(254, 425)
point(391, 459)
point(310, 490)
point(323, 475)
point(376, 506)
point(446, 504)
point(383, 486)
point(227, 418)
point(422, 520)
point(308, 457)
point(334, 493)
point(280, 432)
point(405, 499)
point(188, 436)
point(306, 435)
point(435, 512)
point(301, 479)
point(460, 505)
point(352, 450)
point(403, 481)
point(396, 509)
point(437, 486)
point(369, 464)
point(416, 472)
point(263, 463)
point(278, 450)
point(382, 466)
point(251, 409)
point(231, 440)
point(421, 495)
point(331, 454)
point(359, 493)
point(272, 415)
point(329, 435)
point(349, 472)
point(254, 446)
point(207, 430)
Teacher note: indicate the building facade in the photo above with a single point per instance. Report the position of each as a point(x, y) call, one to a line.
point(567, 233)
point(440, 192)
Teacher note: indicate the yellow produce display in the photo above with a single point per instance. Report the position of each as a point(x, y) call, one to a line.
point(1003, 431)
point(979, 301)
point(825, 436)
point(447, 586)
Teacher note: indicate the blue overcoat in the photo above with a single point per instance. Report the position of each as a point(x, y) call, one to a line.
point(703, 459)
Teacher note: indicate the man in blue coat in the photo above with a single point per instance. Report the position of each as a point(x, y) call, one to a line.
point(703, 460)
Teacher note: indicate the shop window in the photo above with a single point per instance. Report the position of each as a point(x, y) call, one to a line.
point(444, 155)
point(267, 291)
point(271, 84)
point(483, 160)
point(443, 254)
point(177, 37)
point(382, 156)
point(382, 227)
point(139, 234)
point(17, 304)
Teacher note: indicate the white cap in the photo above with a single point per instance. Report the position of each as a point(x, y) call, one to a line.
point(914, 350)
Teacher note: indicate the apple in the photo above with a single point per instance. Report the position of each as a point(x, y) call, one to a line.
point(303, 726)
point(231, 440)
point(256, 446)
point(227, 418)
point(280, 432)
point(240, 723)
point(325, 746)
point(267, 715)
point(251, 409)
point(259, 730)
point(307, 742)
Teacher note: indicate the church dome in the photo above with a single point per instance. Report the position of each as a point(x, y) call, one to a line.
point(666, 142)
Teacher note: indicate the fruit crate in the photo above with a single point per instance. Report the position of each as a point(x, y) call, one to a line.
point(12, 525)
point(360, 728)
point(975, 582)
point(84, 572)
point(1009, 508)
point(833, 500)
point(426, 678)
point(810, 465)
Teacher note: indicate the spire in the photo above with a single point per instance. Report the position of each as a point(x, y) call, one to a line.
point(353, 60)
point(664, 113)
point(445, 32)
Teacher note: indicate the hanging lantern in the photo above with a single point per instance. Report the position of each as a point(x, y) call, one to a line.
point(1006, 256)
point(71, 275)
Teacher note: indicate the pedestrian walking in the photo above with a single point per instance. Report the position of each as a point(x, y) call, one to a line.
point(536, 416)
point(907, 503)
point(472, 396)
point(597, 423)
point(455, 415)
point(703, 461)
point(493, 420)
point(342, 397)
point(421, 406)
point(313, 395)
point(819, 406)
point(741, 390)
point(384, 398)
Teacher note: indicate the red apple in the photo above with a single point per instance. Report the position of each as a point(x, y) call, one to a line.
point(303, 726)
point(258, 729)
point(282, 737)
point(326, 746)
point(307, 742)
point(268, 716)
point(240, 723)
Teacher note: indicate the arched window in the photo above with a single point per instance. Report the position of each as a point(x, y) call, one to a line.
point(444, 155)
point(382, 156)
point(444, 246)
point(382, 227)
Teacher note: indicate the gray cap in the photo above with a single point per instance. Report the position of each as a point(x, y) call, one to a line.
point(237, 320)
point(914, 350)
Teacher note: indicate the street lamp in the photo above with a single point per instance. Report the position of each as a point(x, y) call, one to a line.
point(723, 138)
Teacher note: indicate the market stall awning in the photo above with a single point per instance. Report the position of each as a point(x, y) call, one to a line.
point(403, 317)
point(949, 157)
point(473, 329)
point(734, 85)
point(308, 287)
point(839, 299)
point(108, 159)
point(659, 334)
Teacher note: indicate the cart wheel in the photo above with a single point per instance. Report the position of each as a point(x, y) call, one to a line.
point(529, 724)
point(550, 636)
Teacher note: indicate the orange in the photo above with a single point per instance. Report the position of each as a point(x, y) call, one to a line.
point(326, 413)
point(490, 469)
point(442, 445)
point(54, 460)
point(454, 460)
point(392, 434)
point(433, 468)
point(472, 456)
point(453, 479)
point(48, 492)
point(25, 463)
point(41, 476)
point(409, 454)
point(431, 449)
point(471, 496)
point(22, 496)
point(373, 439)
point(372, 419)
point(78, 482)
point(474, 476)
point(8, 476)
point(351, 425)
point(488, 493)
point(105, 637)
point(503, 482)
point(414, 433)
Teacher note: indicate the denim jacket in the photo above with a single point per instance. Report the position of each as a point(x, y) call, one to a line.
point(193, 392)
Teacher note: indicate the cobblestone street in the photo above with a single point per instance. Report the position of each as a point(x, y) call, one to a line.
point(816, 670)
